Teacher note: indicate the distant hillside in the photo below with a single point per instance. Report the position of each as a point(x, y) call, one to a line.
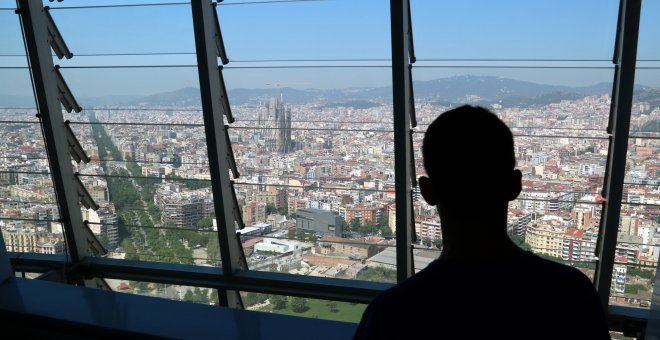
point(648, 94)
point(481, 90)
point(356, 104)
point(651, 126)
point(187, 96)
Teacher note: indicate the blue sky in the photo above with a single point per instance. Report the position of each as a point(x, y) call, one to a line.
point(334, 29)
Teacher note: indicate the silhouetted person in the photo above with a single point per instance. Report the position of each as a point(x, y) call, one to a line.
point(482, 286)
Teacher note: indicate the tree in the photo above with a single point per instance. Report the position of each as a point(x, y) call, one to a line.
point(368, 228)
point(345, 227)
point(189, 296)
point(377, 274)
point(278, 301)
point(300, 235)
point(213, 249)
point(200, 295)
point(270, 208)
point(427, 241)
point(176, 161)
point(252, 299)
point(298, 304)
point(634, 288)
point(383, 222)
point(355, 224)
point(205, 223)
point(643, 273)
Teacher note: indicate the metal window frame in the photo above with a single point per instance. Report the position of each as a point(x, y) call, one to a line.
point(51, 92)
point(402, 105)
point(233, 276)
point(625, 58)
point(220, 154)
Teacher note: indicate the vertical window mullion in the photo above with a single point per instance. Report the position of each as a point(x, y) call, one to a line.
point(209, 47)
point(51, 90)
point(402, 110)
point(622, 98)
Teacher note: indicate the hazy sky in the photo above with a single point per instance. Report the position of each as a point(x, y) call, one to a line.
point(333, 29)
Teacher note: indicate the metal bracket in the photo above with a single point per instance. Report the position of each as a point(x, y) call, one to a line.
point(42, 38)
point(411, 98)
point(231, 160)
point(219, 42)
point(55, 39)
point(94, 246)
point(413, 170)
point(238, 216)
point(83, 195)
point(64, 93)
point(76, 150)
point(224, 98)
point(411, 45)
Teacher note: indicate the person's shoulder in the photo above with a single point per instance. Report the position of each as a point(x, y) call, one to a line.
point(543, 264)
point(556, 271)
point(406, 291)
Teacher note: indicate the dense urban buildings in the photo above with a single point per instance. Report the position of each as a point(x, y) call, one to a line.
point(307, 186)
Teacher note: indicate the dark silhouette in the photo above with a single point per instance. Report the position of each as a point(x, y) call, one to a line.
point(483, 286)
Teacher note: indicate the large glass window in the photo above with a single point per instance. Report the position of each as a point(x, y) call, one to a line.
point(313, 136)
point(28, 207)
point(310, 86)
point(142, 126)
point(551, 83)
point(637, 244)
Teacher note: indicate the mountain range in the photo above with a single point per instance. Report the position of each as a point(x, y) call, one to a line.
point(482, 90)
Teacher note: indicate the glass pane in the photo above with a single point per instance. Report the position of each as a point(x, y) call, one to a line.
point(550, 84)
point(648, 48)
point(313, 241)
point(331, 164)
point(201, 295)
point(305, 307)
point(149, 169)
point(28, 208)
point(560, 145)
point(12, 40)
point(473, 29)
point(134, 29)
point(306, 30)
point(638, 247)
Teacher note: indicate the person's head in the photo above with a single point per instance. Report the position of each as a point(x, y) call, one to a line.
point(469, 159)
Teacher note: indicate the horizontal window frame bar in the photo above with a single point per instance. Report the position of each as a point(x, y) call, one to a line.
point(182, 3)
point(28, 219)
point(35, 263)
point(138, 124)
point(110, 54)
point(135, 226)
point(251, 281)
point(342, 66)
